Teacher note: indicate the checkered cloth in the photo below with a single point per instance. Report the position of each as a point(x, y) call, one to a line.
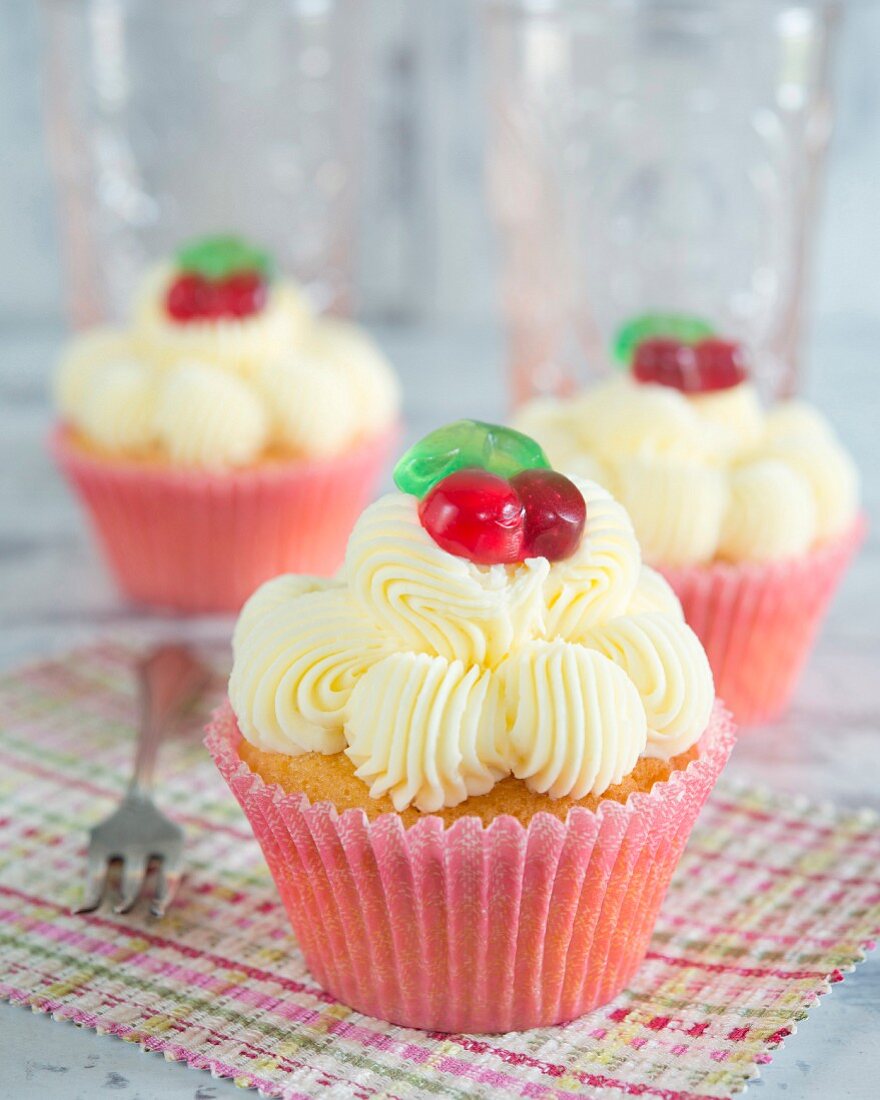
point(774, 900)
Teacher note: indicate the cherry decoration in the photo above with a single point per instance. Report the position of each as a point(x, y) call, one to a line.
point(218, 277)
point(476, 515)
point(706, 366)
point(241, 295)
point(488, 494)
point(683, 327)
point(665, 361)
point(188, 298)
point(555, 513)
point(219, 256)
point(721, 364)
point(462, 445)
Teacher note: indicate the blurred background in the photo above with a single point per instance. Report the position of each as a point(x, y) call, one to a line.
point(447, 155)
point(426, 243)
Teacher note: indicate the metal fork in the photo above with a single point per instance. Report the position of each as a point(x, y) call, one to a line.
point(138, 833)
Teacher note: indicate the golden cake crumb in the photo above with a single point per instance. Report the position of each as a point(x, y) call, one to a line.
point(157, 458)
point(332, 779)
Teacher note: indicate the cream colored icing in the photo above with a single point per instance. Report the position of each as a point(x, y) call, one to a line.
point(438, 676)
point(81, 360)
point(637, 421)
point(771, 513)
point(237, 345)
point(597, 582)
point(829, 473)
point(552, 419)
point(676, 508)
point(796, 419)
point(735, 414)
point(654, 593)
point(291, 383)
point(295, 667)
point(118, 409)
point(695, 472)
point(435, 602)
point(310, 406)
point(209, 419)
point(576, 722)
point(426, 731)
point(361, 367)
point(273, 593)
point(663, 658)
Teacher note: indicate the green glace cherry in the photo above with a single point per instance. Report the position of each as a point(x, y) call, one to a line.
point(218, 257)
point(648, 326)
point(466, 444)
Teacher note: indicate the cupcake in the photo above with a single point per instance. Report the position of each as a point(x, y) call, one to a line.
point(226, 435)
point(751, 513)
point(473, 757)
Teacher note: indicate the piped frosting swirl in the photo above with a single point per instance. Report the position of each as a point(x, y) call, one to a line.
point(438, 677)
point(706, 476)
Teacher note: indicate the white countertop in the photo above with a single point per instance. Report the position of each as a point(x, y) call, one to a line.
point(54, 594)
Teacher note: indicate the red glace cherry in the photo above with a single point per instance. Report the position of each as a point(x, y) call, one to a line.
point(188, 297)
point(241, 295)
point(489, 520)
point(721, 364)
point(192, 297)
point(703, 367)
point(666, 362)
point(475, 515)
point(555, 513)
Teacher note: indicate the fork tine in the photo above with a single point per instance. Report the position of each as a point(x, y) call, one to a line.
point(168, 876)
point(96, 883)
point(131, 881)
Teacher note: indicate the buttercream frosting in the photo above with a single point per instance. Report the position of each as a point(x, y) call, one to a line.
point(296, 666)
point(435, 602)
point(360, 365)
point(597, 582)
point(208, 418)
point(426, 731)
point(438, 676)
point(653, 592)
point(80, 363)
point(240, 345)
point(670, 671)
point(701, 475)
point(771, 513)
point(222, 394)
point(310, 407)
point(575, 720)
point(117, 409)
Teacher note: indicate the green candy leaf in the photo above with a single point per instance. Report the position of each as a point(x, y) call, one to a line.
point(466, 444)
point(216, 258)
point(677, 326)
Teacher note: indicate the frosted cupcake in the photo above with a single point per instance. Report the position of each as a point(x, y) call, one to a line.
point(226, 435)
point(478, 751)
point(751, 514)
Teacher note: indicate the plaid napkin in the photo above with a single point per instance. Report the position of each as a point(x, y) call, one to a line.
point(774, 900)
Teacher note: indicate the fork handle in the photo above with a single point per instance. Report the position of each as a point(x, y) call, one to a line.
point(168, 676)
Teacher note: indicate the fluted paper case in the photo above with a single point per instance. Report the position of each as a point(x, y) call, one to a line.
point(473, 928)
point(758, 621)
point(195, 542)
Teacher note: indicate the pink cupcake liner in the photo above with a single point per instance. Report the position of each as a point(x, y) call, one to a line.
point(473, 928)
point(758, 622)
point(200, 542)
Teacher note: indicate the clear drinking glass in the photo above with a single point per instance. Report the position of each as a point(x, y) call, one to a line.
point(656, 156)
point(172, 118)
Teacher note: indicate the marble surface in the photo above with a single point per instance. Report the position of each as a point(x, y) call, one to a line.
point(54, 594)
